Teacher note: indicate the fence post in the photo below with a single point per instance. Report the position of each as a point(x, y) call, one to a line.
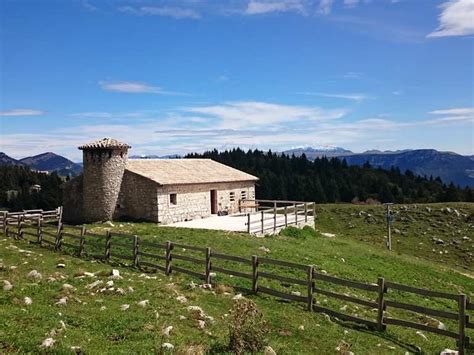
point(39, 231)
point(208, 266)
point(380, 304)
point(263, 220)
point(108, 239)
point(20, 227)
point(286, 216)
point(306, 212)
point(310, 287)
point(135, 251)
point(5, 219)
point(82, 240)
point(248, 223)
point(296, 214)
point(59, 236)
point(254, 274)
point(462, 324)
point(274, 218)
point(169, 246)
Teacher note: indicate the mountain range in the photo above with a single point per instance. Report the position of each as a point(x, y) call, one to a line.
point(450, 167)
point(45, 162)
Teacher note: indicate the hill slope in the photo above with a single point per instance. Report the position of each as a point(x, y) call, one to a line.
point(6, 160)
point(52, 162)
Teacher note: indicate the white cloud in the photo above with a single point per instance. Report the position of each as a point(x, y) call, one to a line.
point(454, 111)
point(22, 112)
point(101, 114)
point(351, 3)
point(456, 19)
point(353, 96)
point(133, 87)
point(253, 113)
point(353, 75)
point(325, 7)
point(453, 116)
point(174, 12)
point(263, 7)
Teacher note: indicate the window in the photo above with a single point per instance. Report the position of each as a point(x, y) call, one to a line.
point(232, 196)
point(173, 199)
point(243, 195)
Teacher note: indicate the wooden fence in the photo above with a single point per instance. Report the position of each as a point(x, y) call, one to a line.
point(169, 258)
point(272, 215)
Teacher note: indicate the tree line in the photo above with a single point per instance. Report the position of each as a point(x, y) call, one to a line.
point(16, 193)
point(324, 180)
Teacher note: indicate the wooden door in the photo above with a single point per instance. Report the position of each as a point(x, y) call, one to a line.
point(213, 201)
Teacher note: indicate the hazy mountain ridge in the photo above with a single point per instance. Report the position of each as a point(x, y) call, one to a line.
point(449, 166)
point(7, 160)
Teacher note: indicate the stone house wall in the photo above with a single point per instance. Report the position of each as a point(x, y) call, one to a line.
point(137, 198)
point(194, 200)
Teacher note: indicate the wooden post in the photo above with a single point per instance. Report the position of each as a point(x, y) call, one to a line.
point(286, 216)
point(254, 274)
point(208, 266)
point(380, 304)
point(262, 220)
point(135, 251)
point(274, 218)
point(248, 223)
point(310, 287)
point(39, 231)
point(59, 236)
point(20, 227)
point(305, 212)
point(60, 214)
point(108, 241)
point(462, 324)
point(169, 246)
point(296, 214)
point(82, 241)
point(5, 219)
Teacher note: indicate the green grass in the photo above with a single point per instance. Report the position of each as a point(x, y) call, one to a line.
point(355, 253)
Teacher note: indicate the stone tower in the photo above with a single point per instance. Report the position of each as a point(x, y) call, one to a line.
point(104, 165)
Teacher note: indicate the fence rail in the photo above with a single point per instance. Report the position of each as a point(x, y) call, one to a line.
point(163, 257)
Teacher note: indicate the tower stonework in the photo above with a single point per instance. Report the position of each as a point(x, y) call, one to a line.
point(104, 165)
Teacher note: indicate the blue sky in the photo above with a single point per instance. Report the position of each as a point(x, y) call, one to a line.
point(181, 76)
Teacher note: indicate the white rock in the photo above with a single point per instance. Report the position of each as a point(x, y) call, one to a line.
point(343, 260)
point(201, 324)
point(103, 308)
point(94, 284)
point(328, 235)
point(76, 349)
point(35, 275)
point(419, 333)
point(343, 308)
point(167, 346)
point(47, 343)
point(264, 249)
point(124, 307)
point(27, 301)
point(301, 327)
point(268, 350)
point(182, 299)
point(182, 318)
point(120, 291)
point(89, 274)
point(7, 286)
point(449, 352)
point(130, 289)
point(166, 331)
point(109, 223)
point(238, 296)
point(109, 283)
point(143, 303)
point(68, 287)
point(61, 265)
point(296, 293)
point(115, 274)
point(62, 301)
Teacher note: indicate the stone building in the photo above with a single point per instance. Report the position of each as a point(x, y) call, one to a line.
point(157, 190)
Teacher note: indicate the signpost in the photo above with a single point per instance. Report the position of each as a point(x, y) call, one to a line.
point(389, 225)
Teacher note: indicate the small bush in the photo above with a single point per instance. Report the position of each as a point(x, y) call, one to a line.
point(247, 328)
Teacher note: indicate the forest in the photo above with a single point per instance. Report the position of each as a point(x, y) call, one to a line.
point(18, 181)
point(326, 180)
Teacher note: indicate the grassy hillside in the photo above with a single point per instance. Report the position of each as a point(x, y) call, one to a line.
point(350, 254)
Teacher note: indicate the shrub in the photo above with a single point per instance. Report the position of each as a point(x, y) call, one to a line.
point(247, 328)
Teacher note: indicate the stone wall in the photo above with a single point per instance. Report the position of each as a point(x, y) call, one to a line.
point(137, 198)
point(103, 172)
point(73, 201)
point(194, 201)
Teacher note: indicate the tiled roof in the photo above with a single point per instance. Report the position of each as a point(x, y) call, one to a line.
point(106, 143)
point(186, 171)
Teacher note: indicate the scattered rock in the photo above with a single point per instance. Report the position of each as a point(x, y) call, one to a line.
point(328, 235)
point(301, 327)
point(419, 333)
point(167, 346)
point(201, 324)
point(238, 296)
point(166, 331)
point(94, 284)
point(115, 274)
point(268, 350)
point(109, 223)
point(35, 275)
point(124, 307)
point(264, 249)
point(7, 286)
point(62, 301)
point(61, 265)
point(27, 301)
point(47, 343)
point(449, 352)
point(143, 303)
point(296, 293)
point(68, 287)
point(182, 299)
